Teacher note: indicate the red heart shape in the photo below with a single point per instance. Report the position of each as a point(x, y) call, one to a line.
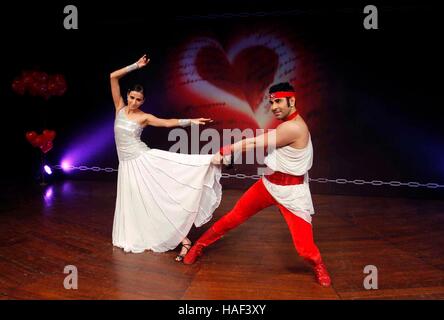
point(46, 147)
point(230, 85)
point(19, 86)
point(49, 134)
point(42, 141)
point(245, 77)
point(30, 136)
point(39, 140)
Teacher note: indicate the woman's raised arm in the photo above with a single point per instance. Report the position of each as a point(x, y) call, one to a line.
point(116, 75)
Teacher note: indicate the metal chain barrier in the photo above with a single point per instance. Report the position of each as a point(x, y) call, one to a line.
point(349, 10)
point(379, 183)
point(242, 176)
point(84, 168)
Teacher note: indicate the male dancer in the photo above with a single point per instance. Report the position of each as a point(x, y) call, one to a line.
point(287, 187)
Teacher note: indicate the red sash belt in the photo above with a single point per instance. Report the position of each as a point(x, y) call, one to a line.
point(284, 179)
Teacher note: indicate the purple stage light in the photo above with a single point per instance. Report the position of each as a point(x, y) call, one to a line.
point(66, 165)
point(90, 145)
point(48, 196)
point(48, 193)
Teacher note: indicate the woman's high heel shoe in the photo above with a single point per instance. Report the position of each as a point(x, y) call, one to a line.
point(180, 257)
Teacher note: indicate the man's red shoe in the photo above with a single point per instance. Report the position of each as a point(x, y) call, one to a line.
point(205, 240)
point(193, 254)
point(321, 274)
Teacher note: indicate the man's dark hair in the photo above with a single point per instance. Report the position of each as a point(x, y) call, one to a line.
point(283, 86)
point(137, 88)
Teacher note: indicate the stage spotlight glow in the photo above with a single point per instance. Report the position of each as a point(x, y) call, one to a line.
point(65, 165)
point(47, 169)
point(95, 141)
point(48, 193)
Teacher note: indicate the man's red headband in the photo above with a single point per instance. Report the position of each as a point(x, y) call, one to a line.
point(282, 94)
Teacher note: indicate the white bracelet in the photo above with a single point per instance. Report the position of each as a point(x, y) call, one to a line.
point(184, 122)
point(132, 67)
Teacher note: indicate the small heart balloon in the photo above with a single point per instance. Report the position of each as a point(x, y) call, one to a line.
point(49, 134)
point(46, 147)
point(18, 86)
point(39, 140)
point(31, 136)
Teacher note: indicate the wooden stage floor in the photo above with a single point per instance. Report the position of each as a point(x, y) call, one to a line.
point(42, 230)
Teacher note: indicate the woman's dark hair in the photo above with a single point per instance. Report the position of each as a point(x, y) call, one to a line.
point(283, 86)
point(137, 88)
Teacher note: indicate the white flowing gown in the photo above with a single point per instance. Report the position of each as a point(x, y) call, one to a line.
point(160, 194)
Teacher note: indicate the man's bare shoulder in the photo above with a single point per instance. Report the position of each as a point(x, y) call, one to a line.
point(296, 128)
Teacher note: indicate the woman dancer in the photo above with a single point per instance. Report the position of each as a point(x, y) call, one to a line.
point(160, 194)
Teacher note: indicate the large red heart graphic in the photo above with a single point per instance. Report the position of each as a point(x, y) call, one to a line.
point(231, 85)
point(245, 77)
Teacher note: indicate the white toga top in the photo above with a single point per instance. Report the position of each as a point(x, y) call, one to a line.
point(296, 198)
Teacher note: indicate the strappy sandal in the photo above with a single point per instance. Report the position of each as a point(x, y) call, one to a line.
point(187, 246)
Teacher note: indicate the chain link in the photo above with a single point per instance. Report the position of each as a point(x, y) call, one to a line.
point(379, 183)
point(241, 176)
point(84, 168)
point(295, 12)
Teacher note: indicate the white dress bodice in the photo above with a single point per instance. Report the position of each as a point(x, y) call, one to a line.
point(127, 136)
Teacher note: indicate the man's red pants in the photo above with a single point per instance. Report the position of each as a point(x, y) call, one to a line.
point(257, 198)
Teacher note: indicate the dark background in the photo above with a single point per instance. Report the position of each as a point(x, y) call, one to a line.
point(379, 115)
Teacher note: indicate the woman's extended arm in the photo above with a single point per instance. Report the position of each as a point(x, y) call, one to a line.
point(169, 123)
